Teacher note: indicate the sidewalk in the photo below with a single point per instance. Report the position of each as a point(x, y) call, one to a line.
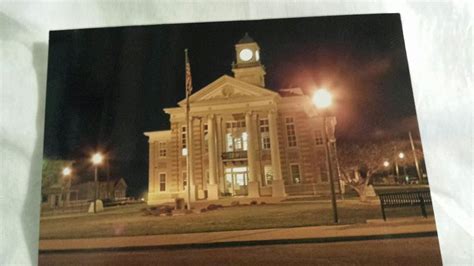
point(372, 230)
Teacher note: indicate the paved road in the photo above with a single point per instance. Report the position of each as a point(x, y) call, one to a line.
point(406, 251)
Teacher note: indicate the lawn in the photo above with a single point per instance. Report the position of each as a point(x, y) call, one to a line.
point(130, 220)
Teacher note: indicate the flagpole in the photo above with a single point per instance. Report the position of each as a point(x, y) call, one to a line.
point(188, 133)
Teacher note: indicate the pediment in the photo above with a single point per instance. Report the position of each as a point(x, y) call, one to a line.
point(227, 87)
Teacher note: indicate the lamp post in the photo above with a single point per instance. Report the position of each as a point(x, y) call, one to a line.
point(67, 174)
point(401, 155)
point(322, 99)
point(96, 161)
point(386, 164)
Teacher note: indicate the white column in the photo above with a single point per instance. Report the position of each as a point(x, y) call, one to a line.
point(191, 159)
point(212, 188)
point(253, 186)
point(278, 185)
point(220, 146)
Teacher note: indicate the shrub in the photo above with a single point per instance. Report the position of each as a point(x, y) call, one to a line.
point(212, 207)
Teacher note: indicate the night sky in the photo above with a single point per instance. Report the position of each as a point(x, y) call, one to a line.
point(107, 86)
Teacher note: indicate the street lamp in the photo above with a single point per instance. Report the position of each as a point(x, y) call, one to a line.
point(386, 164)
point(322, 99)
point(67, 174)
point(97, 159)
point(67, 171)
point(401, 155)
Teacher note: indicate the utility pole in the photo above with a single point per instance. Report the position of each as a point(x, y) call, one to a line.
point(396, 163)
point(330, 172)
point(418, 170)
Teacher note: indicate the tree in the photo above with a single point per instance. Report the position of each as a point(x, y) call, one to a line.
point(52, 172)
point(360, 161)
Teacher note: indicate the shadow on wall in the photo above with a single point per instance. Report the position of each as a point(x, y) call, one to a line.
point(21, 139)
point(31, 207)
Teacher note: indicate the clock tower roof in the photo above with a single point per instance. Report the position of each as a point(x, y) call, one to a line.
point(246, 39)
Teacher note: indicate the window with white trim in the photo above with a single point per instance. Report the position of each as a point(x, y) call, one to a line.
point(318, 137)
point(162, 147)
point(295, 173)
point(184, 150)
point(268, 172)
point(290, 131)
point(162, 182)
point(264, 133)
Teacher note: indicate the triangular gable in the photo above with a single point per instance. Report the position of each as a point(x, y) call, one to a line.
point(122, 182)
point(228, 87)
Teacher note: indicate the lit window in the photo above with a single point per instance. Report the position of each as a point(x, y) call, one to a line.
point(162, 182)
point(295, 173)
point(318, 137)
point(162, 149)
point(290, 131)
point(268, 170)
point(230, 143)
point(236, 136)
point(244, 141)
point(265, 134)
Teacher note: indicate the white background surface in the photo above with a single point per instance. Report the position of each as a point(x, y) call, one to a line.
point(438, 38)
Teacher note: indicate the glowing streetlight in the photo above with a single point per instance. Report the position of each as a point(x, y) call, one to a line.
point(401, 155)
point(386, 164)
point(96, 159)
point(322, 99)
point(67, 174)
point(67, 171)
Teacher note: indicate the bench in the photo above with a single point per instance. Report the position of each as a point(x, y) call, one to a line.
point(405, 199)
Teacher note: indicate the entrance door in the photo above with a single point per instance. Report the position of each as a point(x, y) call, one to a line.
point(236, 181)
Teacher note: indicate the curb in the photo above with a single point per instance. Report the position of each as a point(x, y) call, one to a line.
point(243, 243)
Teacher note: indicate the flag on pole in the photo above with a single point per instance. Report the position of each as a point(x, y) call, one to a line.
point(189, 81)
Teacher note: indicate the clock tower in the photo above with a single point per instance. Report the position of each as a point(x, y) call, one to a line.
point(248, 67)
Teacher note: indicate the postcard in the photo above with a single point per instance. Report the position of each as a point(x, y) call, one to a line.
point(279, 141)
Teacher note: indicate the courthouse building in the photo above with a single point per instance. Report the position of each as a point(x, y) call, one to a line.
point(245, 140)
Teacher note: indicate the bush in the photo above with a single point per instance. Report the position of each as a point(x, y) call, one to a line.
point(253, 202)
point(212, 207)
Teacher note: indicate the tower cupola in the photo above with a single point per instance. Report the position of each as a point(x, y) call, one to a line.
point(248, 67)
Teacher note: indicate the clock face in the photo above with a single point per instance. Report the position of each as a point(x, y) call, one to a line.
point(245, 54)
point(257, 55)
